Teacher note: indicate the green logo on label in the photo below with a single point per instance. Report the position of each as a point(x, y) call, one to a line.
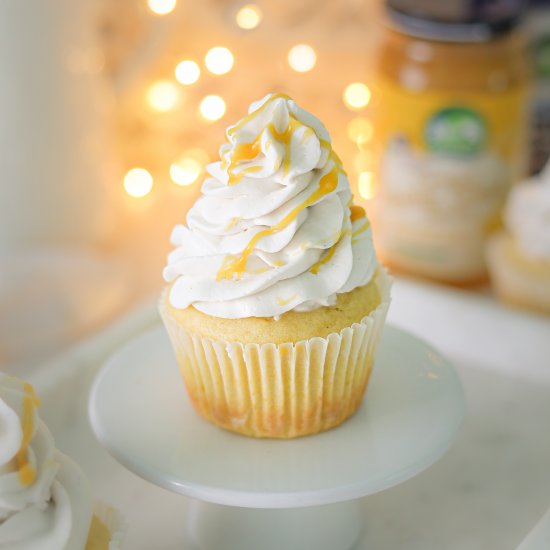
point(542, 57)
point(456, 131)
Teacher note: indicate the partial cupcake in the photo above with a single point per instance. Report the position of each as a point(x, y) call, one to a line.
point(45, 499)
point(276, 301)
point(519, 258)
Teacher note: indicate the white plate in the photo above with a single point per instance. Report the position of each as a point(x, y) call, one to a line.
point(413, 409)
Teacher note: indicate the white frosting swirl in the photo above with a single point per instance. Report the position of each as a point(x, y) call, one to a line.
point(41, 506)
point(528, 215)
point(272, 231)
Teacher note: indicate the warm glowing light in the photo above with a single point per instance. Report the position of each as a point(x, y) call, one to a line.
point(357, 96)
point(212, 107)
point(219, 60)
point(200, 155)
point(185, 171)
point(187, 72)
point(302, 58)
point(366, 185)
point(163, 95)
point(161, 7)
point(360, 130)
point(363, 161)
point(138, 182)
point(249, 17)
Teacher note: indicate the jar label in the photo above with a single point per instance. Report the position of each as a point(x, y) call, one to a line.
point(446, 160)
point(448, 121)
point(456, 131)
point(541, 57)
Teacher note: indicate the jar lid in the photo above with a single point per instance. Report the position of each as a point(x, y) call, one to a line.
point(539, 4)
point(455, 20)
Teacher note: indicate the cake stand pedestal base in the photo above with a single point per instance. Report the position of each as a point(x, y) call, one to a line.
point(323, 527)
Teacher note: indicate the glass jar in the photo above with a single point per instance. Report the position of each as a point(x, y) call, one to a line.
point(538, 32)
point(450, 119)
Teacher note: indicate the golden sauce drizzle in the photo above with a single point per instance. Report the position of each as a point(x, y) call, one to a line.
point(258, 271)
point(356, 212)
point(99, 535)
point(250, 116)
point(243, 152)
point(325, 144)
point(326, 258)
point(236, 265)
point(283, 302)
point(232, 223)
point(364, 227)
point(27, 473)
point(246, 151)
point(285, 138)
point(360, 230)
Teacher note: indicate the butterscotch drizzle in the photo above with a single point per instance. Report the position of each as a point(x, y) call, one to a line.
point(360, 230)
point(285, 301)
point(249, 117)
point(356, 212)
point(235, 265)
point(326, 258)
point(243, 152)
point(27, 473)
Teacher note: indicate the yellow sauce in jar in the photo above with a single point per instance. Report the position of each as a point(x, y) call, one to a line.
point(450, 124)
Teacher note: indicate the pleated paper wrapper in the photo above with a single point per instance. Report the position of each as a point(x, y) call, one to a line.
point(513, 281)
point(280, 390)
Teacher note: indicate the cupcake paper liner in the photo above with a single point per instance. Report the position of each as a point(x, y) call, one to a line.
point(284, 390)
point(512, 282)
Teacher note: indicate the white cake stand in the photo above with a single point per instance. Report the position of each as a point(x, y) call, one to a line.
point(254, 494)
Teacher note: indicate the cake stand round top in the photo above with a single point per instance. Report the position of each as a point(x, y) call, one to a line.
point(412, 411)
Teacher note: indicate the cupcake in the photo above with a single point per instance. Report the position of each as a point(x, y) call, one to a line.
point(45, 500)
point(519, 258)
point(275, 300)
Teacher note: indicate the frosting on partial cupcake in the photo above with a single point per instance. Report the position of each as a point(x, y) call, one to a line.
point(45, 502)
point(274, 229)
point(528, 215)
point(422, 187)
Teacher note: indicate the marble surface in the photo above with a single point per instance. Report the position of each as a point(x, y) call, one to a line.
point(487, 492)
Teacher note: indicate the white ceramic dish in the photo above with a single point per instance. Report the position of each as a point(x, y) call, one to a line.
point(142, 414)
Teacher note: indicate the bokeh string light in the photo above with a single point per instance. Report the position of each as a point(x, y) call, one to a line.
point(219, 60)
point(185, 171)
point(138, 182)
point(360, 130)
point(302, 58)
point(163, 95)
point(366, 185)
point(182, 105)
point(212, 107)
point(162, 7)
point(357, 96)
point(187, 72)
point(249, 17)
